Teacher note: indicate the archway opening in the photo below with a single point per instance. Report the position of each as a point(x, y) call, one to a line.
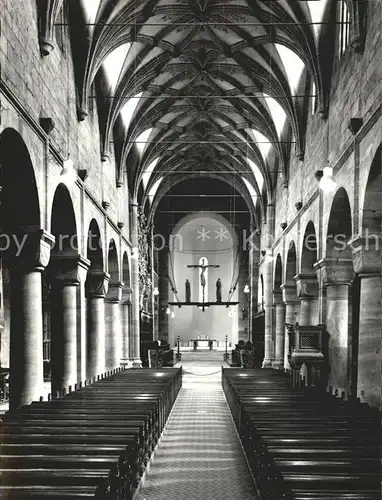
point(370, 324)
point(307, 282)
point(95, 292)
point(60, 296)
point(23, 376)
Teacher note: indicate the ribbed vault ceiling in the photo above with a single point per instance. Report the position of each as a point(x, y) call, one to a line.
point(212, 82)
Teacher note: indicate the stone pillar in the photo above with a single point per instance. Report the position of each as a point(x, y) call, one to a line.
point(337, 276)
point(307, 291)
point(113, 326)
point(267, 266)
point(135, 296)
point(26, 354)
point(64, 335)
point(82, 321)
point(367, 261)
point(96, 288)
point(243, 319)
point(268, 311)
point(125, 326)
point(65, 271)
point(164, 294)
point(292, 309)
point(279, 305)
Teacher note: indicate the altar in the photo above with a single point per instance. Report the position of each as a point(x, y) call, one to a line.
point(203, 343)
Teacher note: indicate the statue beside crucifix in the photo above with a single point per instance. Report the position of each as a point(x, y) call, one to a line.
point(218, 290)
point(188, 290)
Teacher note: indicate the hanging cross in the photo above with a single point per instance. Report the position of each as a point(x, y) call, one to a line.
point(202, 268)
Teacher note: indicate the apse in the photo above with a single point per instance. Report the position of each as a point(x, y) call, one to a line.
point(203, 240)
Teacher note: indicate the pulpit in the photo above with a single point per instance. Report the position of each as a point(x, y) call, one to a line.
point(307, 352)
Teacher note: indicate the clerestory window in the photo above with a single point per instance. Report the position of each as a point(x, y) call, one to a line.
point(344, 28)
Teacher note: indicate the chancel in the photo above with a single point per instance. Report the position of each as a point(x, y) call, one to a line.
point(190, 249)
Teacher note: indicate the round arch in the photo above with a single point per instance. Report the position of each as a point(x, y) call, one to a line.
point(22, 321)
point(63, 222)
point(113, 261)
point(308, 250)
point(339, 229)
point(278, 274)
point(94, 247)
point(291, 265)
point(371, 215)
point(18, 183)
point(126, 270)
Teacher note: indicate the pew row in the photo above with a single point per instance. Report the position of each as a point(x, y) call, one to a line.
point(304, 444)
point(92, 443)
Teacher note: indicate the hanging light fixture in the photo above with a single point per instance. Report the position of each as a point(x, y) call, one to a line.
point(246, 289)
point(327, 182)
point(156, 291)
point(68, 173)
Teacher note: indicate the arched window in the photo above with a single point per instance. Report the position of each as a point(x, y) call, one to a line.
point(60, 29)
point(203, 280)
point(344, 28)
point(314, 99)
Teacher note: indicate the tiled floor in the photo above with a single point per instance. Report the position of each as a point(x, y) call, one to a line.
point(199, 456)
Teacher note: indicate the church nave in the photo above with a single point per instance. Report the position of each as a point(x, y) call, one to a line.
point(199, 456)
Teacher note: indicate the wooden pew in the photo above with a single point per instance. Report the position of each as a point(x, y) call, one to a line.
point(304, 444)
point(93, 443)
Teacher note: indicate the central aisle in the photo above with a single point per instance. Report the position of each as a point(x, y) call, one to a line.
point(199, 456)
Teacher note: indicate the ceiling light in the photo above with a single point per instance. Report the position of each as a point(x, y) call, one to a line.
point(246, 289)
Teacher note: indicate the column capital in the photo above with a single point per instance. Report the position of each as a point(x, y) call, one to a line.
point(114, 293)
point(367, 253)
point(29, 248)
point(126, 295)
point(335, 271)
point(289, 293)
point(277, 298)
point(307, 286)
point(69, 268)
point(97, 284)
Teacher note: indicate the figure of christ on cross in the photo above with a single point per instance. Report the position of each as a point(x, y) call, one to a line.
point(203, 267)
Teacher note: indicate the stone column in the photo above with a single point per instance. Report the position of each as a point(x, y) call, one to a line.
point(135, 302)
point(243, 298)
point(367, 261)
point(268, 310)
point(26, 327)
point(96, 288)
point(64, 335)
point(267, 267)
point(113, 326)
point(292, 309)
point(279, 305)
point(307, 291)
point(337, 276)
point(163, 329)
point(65, 272)
point(125, 326)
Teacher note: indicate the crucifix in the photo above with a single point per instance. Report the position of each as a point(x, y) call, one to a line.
point(203, 267)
